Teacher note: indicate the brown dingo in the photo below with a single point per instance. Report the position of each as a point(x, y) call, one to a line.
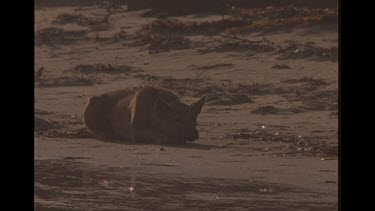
point(148, 115)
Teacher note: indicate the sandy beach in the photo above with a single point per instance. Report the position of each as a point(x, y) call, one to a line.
point(268, 132)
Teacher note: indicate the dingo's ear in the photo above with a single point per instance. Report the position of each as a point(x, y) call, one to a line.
point(161, 107)
point(196, 107)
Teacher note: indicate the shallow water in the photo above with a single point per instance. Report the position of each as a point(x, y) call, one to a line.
point(70, 185)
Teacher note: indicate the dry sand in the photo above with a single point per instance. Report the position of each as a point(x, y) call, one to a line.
point(268, 135)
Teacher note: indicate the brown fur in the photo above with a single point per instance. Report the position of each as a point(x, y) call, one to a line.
point(148, 115)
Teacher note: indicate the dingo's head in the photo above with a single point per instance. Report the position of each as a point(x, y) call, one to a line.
point(180, 119)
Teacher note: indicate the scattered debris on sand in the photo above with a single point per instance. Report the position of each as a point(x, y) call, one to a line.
point(156, 43)
point(101, 68)
point(40, 123)
point(67, 81)
point(54, 36)
point(281, 66)
point(64, 133)
point(247, 20)
point(308, 50)
point(96, 24)
point(298, 145)
point(66, 18)
point(308, 80)
point(317, 101)
point(224, 42)
point(191, 27)
point(265, 110)
point(274, 19)
point(209, 67)
point(288, 8)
